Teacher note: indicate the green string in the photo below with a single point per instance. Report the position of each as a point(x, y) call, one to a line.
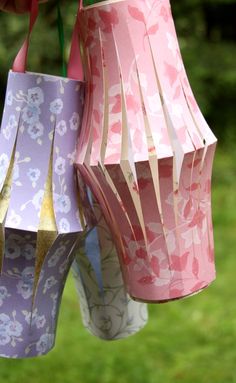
point(61, 36)
point(90, 2)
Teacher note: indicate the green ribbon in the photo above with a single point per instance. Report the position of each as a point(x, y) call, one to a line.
point(61, 36)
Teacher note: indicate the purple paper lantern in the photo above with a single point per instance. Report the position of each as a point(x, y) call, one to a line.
point(39, 216)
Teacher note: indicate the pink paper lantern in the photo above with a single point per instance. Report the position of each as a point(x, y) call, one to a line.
point(145, 149)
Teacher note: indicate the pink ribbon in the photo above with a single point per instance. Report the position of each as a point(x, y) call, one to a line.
point(75, 67)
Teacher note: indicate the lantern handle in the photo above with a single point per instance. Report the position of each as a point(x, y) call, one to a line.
point(75, 68)
point(75, 65)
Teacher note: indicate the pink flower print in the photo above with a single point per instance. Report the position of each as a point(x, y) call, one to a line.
point(143, 183)
point(182, 133)
point(151, 235)
point(197, 219)
point(109, 18)
point(165, 171)
point(193, 103)
point(89, 41)
point(126, 259)
point(190, 237)
point(175, 293)
point(211, 255)
point(194, 164)
point(164, 13)
point(138, 233)
point(131, 103)
point(193, 187)
point(188, 208)
point(152, 30)
point(179, 263)
point(154, 103)
point(195, 267)
point(97, 117)
point(91, 24)
point(177, 92)
point(116, 127)
point(94, 69)
point(151, 149)
point(155, 265)
point(135, 188)
point(117, 106)
point(147, 280)
point(136, 14)
point(141, 253)
point(171, 72)
point(198, 286)
point(207, 188)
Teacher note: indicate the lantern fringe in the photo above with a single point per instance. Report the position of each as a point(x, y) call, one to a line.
point(145, 147)
point(41, 214)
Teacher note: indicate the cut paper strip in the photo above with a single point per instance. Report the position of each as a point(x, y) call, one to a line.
point(107, 310)
point(145, 149)
point(39, 215)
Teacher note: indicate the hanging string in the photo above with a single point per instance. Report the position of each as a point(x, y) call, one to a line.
point(61, 36)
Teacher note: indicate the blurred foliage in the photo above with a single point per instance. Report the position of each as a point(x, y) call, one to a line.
point(207, 34)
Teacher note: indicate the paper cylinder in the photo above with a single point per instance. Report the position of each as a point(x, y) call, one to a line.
point(107, 310)
point(146, 150)
point(40, 220)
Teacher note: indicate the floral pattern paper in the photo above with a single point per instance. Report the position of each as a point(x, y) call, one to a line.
point(39, 216)
point(107, 310)
point(145, 149)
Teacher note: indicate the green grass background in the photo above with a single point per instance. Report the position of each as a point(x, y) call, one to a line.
point(188, 341)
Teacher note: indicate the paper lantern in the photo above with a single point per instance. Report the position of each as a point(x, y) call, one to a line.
point(146, 150)
point(39, 209)
point(107, 310)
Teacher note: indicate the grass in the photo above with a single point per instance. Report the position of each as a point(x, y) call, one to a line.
point(189, 341)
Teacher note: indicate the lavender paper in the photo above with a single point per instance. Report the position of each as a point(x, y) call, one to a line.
point(40, 221)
